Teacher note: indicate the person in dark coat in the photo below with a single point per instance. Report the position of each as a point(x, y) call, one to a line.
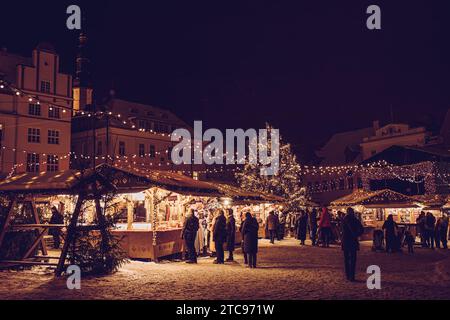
point(302, 226)
point(281, 229)
point(188, 234)
point(242, 236)
point(56, 218)
point(443, 231)
point(250, 238)
point(352, 229)
point(421, 228)
point(231, 234)
point(430, 222)
point(313, 226)
point(220, 236)
point(271, 226)
point(390, 231)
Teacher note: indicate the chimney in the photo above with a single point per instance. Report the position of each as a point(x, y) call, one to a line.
point(376, 125)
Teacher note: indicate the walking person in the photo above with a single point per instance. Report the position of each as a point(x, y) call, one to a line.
point(271, 226)
point(189, 234)
point(390, 228)
point(325, 228)
point(352, 229)
point(302, 227)
point(220, 236)
point(231, 235)
point(56, 218)
point(313, 226)
point(250, 239)
point(430, 222)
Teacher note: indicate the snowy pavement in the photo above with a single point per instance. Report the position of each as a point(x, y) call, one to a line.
point(286, 271)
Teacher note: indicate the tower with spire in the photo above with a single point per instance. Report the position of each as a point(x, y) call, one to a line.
point(82, 84)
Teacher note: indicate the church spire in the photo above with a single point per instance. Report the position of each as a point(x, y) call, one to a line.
point(82, 84)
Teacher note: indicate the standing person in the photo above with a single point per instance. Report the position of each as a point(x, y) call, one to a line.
point(443, 230)
point(231, 234)
point(313, 226)
point(437, 233)
point(302, 227)
point(430, 222)
point(271, 226)
point(390, 229)
point(325, 227)
point(250, 238)
point(189, 234)
point(56, 218)
point(421, 228)
point(242, 236)
point(220, 236)
point(281, 229)
point(352, 229)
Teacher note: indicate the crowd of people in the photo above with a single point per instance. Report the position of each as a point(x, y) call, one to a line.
point(321, 227)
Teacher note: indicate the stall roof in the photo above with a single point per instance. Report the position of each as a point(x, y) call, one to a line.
point(431, 201)
point(382, 199)
point(71, 182)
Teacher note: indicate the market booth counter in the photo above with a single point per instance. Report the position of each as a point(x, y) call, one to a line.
point(374, 207)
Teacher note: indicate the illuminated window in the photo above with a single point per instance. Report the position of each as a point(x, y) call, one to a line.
point(32, 162)
point(52, 163)
point(34, 135)
point(53, 137)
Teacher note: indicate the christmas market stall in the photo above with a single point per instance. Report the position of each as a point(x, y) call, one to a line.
point(373, 207)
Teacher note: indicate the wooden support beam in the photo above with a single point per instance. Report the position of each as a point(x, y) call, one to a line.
point(38, 221)
point(38, 241)
point(71, 230)
point(8, 218)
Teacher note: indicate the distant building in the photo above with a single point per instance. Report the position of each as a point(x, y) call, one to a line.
point(393, 135)
point(337, 174)
point(35, 112)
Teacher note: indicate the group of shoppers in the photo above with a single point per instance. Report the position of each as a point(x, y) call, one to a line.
point(223, 233)
point(433, 232)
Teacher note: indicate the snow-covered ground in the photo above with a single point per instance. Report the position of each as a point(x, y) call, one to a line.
point(286, 271)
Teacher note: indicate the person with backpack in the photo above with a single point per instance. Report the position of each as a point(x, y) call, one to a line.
point(352, 229)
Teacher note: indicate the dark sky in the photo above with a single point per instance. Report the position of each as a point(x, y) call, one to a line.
point(310, 68)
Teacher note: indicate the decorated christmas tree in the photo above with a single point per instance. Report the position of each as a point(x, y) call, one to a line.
point(285, 183)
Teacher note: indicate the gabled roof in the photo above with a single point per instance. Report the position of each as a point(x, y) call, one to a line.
point(384, 198)
point(403, 155)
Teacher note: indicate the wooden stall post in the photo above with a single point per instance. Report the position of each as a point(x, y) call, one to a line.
point(71, 231)
point(8, 218)
point(130, 215)
point(38, 221)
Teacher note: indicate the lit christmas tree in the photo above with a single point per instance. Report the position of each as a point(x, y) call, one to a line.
point(286, 183)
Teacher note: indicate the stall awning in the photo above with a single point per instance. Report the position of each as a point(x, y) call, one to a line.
point(381, 199)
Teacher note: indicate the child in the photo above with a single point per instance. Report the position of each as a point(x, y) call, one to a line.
point(409, 239)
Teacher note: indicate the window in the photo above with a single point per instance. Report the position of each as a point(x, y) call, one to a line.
point(32, 162)
point(53, 137)
point(141, 150)
point(350, 183)
point(34, 109)
point(52, 163)
point(45, 86)
point(99, 148)
point(54, 112)
point(34, 135)
point(121, 148)
point(152, 152)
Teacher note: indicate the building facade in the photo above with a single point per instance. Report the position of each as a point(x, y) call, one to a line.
point(35, 112)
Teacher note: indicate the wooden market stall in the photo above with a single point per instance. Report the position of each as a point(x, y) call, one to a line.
point(374, 207)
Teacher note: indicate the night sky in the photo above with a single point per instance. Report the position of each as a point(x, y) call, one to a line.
point(311, 68)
